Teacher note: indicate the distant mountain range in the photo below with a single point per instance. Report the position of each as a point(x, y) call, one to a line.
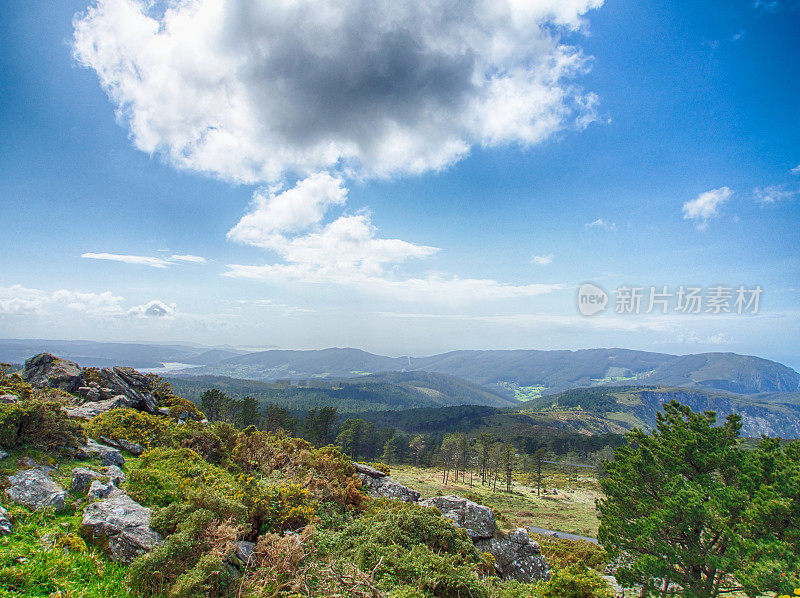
point(523, 374)
point(378, 392)
point(519, 371)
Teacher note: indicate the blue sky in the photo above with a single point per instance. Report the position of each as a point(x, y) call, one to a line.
point(385, 180)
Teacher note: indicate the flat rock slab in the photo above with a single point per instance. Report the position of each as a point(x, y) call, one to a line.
point(369, 470)
point(34, 489)
point(92, 409)
point(120, 524)
point(387, 487)
point(477, 520)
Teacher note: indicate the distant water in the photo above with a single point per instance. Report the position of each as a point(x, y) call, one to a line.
point(169, 367)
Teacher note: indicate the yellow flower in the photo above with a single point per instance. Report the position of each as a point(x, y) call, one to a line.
point(797, 592)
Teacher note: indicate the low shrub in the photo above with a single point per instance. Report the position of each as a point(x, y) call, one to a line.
point(561, 552)
point(575, 581)
point(403, 544)
point(325, 472)
point(202, 440)
point(12, 383)
point(146, 430)
point(167, 475)
point(191, 563)
point(285, 506)
point(42, 424)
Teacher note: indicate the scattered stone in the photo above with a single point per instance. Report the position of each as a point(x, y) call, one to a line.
point(99, 489)
point(386, 487)
point(5, 522)
point(34, 489)
point(82, 478)
point(243, 552)
point(47, 370)
point(9, 398)
point(476, 519)
point(516, 556)
point(163, 411)
point(116, 474)
point(369, 470)
point(108, 455)
point(121, 524)
point(3, 455)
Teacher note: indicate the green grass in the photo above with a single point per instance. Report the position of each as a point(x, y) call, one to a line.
point(572, 510)
point(44, 555)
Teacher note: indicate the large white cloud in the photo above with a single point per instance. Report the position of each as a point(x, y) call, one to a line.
point(250, 90)
point(347, 250)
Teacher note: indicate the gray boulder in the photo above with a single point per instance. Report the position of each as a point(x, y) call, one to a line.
point(3, 455)
point(476, 519)
point(34, 489)
point(516, 556)
point(108, 455)
point(100, 489)
point(368, 470)
point(8, 398)
point(128, 383)
point(82, 479)
point(386, 487)
point(5, 522)
point(92, 409)
point(48, 371)
point(122, 525)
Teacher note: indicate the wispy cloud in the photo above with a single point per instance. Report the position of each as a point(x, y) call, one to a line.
point(542, 260)
point(193, 259)
point(795, 170)
point(774, 194)
point(601, 224)
point(153, 262)
point(706, 206)
point(143, 260)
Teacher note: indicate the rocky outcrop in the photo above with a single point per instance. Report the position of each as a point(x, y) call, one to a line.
point(5, 523)
point(477, 520)
point(386, 487)
point(516, 556)
point(242, 553)
point(34, 489)
point(48, 371)
point(8, 399)
point(121, 525)
point(107, 454)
